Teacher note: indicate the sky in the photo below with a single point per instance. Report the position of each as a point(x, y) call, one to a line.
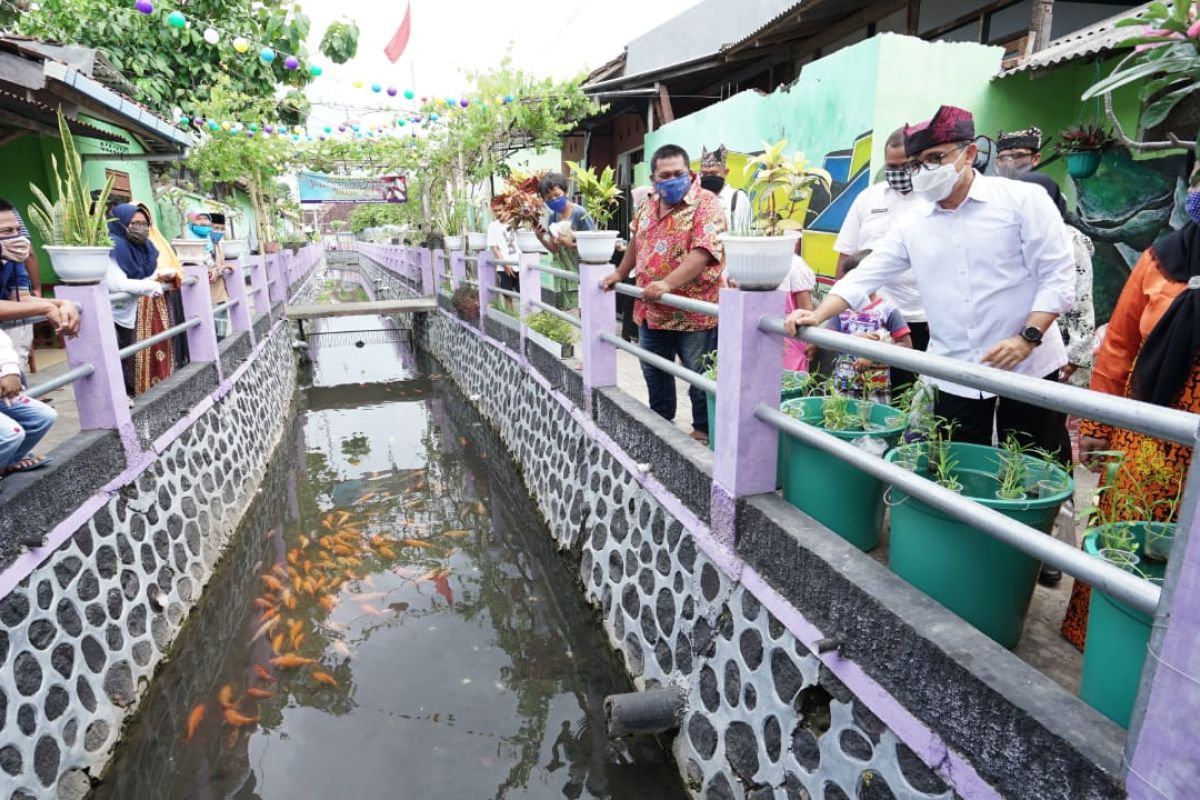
point(451, 37)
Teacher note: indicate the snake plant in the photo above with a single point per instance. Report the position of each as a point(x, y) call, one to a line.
point(74, 219)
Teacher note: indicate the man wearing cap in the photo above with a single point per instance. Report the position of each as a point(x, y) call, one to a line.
point(873, 213)
point(994, 266)
point(713, 176)
point(1018, 152)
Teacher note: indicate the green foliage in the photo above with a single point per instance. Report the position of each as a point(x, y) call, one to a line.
point(781, 187)
point(72, 219)
point(1012, 469)
point(551, 327)
point(942, 462)
point(169, 66)
point(340, 42)
point(374, 215)
point(1083, 138)
point(600, 192)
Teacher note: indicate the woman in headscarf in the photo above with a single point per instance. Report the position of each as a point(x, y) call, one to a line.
point(132, 263)
point(1150, 354)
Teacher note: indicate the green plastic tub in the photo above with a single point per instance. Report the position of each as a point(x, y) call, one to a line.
point(792, 385)
point(841, 497)
point(984, 581)
point(1117, 637)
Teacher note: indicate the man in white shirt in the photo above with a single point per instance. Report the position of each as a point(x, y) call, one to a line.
point(872, 214)
point(735, 203)
point(501, 243)
point(993, 263)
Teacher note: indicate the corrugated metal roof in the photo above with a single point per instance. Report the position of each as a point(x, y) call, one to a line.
point(40, 112)
point(780, 17)
point(1103, 37)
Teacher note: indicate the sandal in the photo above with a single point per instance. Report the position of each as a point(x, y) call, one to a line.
point(28, 464)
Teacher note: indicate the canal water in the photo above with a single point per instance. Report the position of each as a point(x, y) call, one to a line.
point(391, 621)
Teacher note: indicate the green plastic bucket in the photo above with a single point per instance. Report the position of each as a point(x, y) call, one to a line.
point(841, 497)
point(986, 582)
point(1117, 637)
point(792, 385)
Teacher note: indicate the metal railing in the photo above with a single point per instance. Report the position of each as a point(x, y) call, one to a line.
point(150, 341)
point(673, 300)
point(70, 376)
point(564, 316)
point(558, 273)
point(683, 373)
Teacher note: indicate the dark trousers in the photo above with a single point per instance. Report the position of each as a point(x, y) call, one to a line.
point(126, 337)
point(690, 347)
point(920, 341)
point(629, 329)
point(1033, 426)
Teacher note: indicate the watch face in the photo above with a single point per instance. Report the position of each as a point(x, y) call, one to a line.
point(1032, 334)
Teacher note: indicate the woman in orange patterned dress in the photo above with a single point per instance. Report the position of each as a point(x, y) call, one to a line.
point(1150, 354)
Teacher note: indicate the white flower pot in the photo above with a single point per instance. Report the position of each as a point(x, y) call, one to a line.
point(233, 249)
point(79, 265)
point(596, 247)
point(453, 243)
point(476, 242)
point(527, 241)
point(758, 263)
point(190, 251)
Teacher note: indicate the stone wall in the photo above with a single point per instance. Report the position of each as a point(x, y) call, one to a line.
point(84, 630)
point(765, 718)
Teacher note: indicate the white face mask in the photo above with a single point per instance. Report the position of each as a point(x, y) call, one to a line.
point(936, 185)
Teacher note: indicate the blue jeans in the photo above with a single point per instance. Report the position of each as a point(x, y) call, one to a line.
point(690, 347)
point(22, 426)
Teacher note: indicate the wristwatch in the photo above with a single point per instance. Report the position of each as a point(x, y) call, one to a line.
point(1033, 335)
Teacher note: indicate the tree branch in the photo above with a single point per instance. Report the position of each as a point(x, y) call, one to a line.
point(1174, 143)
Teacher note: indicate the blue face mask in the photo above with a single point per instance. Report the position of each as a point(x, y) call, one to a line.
point(217, 236)
point(1193, 206)
point(201, 230)
point(673, 190)
point(558, 205)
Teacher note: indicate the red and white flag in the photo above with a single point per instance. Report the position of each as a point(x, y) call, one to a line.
point(395, 48)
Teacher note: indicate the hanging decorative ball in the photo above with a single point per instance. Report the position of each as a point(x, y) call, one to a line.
point(268, 128)
point(249, 134)
point(341, 128)
point(424, 99)
point(241, 44)
point(144, 6)
point(322, 137)
point(226, 125)
point(358, 84)
point(464, 102)
point(176, 19)
point(376, 88)
point(291, 63)
point(253, 126)
point(508, 98)
point(308, 137)
point(315, 70)
point(183, 119)
point(282, 129)
point(329, 129)
point(213, 125)
point(211, 36)
point(267, 55)
point(392, 91)
point(295, 137)
point(370, 134)
point(354, 128)
point(434, 117)
point(408, 94)
point(358, 136)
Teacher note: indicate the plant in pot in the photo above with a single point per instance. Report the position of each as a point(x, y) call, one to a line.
point(821, 486)
point(73, 226)
point(1083, 146)
point(759, 259)
point(521, 209)
point(1130, 526)
point(466, 303)
point(477, 221)
point(601, 197)
point(556, 330)
point(985, 581)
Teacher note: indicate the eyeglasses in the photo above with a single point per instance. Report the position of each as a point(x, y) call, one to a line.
point(1014, 158)
point(138, 226)
point(933, 160)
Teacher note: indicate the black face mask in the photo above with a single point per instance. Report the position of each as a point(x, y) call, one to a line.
point(714, 183)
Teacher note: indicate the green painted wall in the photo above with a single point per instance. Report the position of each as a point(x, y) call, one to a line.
point(139, 171)
point(26, 163)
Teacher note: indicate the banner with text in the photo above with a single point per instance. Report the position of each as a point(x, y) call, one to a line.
point(316, 187)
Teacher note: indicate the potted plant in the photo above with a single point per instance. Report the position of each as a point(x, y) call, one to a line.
point(551, 333)
point(466, 303)
point(74, 227)
point(600, 200)
point(759, 259)
point(522, 209)
point(233, 249)
point(1123, 531)
point(985, 581)
point(476, 241)
point(1082, 147)
point(822, 487)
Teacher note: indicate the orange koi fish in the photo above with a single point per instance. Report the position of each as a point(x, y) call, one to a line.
point(238, 720)
point(263, 602)
point(266, 627)
point(294, 628)
point(304, 541)
point(415, 543)
point(370, 609)
point(279, 570)
point(261, 672)
point(297, 640)
point(386, 552)
point(326, 603)
point(259, 693)
point(291, 661)
point(272, 583)
point(293, 556)
point(455, 534)
point(194, 719)
point(277, 643)
point(225, 696)
point(324, 677)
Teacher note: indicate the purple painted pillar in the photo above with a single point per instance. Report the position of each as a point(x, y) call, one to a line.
point(100, 397)
point(486, 270)
point(439, 269)
point(258, 280)
point(531, 289)
point(1160, 752)
point(598, 313)
point(197, 304)
point(428, 279)
point(458, 269)
point(276, 279)
point(239, 308)
point(750, 367)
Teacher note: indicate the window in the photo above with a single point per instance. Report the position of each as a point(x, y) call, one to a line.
point(121, 191)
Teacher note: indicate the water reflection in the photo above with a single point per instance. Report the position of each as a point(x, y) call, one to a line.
point(407, 632)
